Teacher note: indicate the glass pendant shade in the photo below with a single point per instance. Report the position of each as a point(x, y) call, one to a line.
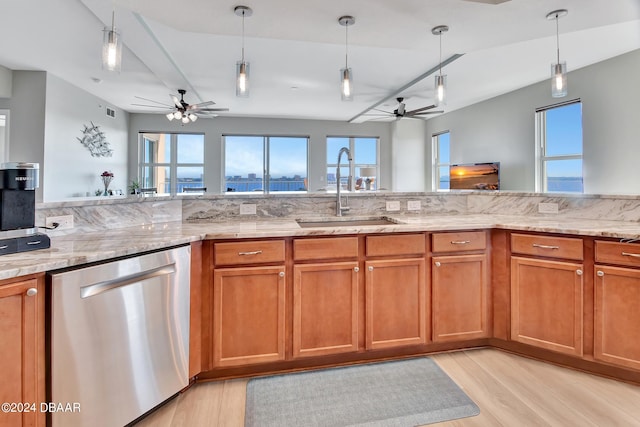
point(242, 79)
point(346, 84)
point(441, 90)
point(193, 117)
point(170, 116)
point(111, 50)
point(559, 80)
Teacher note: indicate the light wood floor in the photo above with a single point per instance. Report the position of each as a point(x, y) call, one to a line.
point(510, 391)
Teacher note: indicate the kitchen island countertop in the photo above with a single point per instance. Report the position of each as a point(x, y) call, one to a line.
point(80, 248)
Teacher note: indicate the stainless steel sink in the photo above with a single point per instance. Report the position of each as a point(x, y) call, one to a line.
point(344, 222)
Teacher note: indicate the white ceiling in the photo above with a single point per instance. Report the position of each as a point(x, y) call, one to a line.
point(296, 48)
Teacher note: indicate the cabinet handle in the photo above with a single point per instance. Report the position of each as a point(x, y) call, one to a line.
point(281, 274)
point(31, 292)
point(370, 268)
point(579, 272)
point(35, 242)
point(460, 242)
point(600, 273)
point(537, 245)
point(437, 263)
point(356, 269)
point(250, 253)
point(630, 254)
point(4, 247)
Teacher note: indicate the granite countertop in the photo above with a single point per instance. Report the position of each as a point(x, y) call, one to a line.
point(81, 248)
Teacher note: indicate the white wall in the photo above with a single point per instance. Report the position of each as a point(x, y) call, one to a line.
point(502, 129)
point(6, 77)
point(408, 154)
point(214, 129)
point(70, 170)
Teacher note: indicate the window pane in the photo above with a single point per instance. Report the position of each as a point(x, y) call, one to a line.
point(157, 148)
point(443, 183)
point(287, 164)
point(564, 130)
point(365, 151)
point(331, 177)
point(189, 177)
point(190, 148)
point(564, 175)
point(443, 148)
point(333, 147)
point(243, 164)
point(158, 177)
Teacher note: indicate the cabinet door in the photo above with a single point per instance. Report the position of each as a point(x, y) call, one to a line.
point(459, 297)
point(21, 347)
point(396, 308)
point(617, 316)
point(249, 309)
point(546, 304)
point(325, 308)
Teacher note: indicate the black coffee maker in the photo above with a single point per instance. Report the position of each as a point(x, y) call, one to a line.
point(18, 182)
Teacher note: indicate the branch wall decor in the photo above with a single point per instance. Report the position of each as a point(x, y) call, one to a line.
point(95, 141)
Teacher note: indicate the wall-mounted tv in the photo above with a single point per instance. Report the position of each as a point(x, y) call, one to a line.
point(475, 176)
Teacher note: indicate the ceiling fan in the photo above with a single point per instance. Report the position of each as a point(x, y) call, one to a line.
point(181, 110)
point(401, 111)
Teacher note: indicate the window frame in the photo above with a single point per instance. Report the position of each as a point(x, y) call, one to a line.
point(435, 160)
point(266, 163)
point(173, 164)
point(541, 181)
point(354, 166)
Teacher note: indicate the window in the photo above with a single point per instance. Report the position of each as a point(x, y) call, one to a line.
point(364, 151)
point(172, 163)
point(265, 164)
point(559, 148)
point(441, 161)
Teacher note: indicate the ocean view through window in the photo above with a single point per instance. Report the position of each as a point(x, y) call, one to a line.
point(265, 164)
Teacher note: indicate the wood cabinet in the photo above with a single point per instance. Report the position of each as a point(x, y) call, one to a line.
point(459, 286)
point(396, 291)
point(325, 296)
point(617, 303)
point(248, 303)
point(22, 349)
point(546, 304)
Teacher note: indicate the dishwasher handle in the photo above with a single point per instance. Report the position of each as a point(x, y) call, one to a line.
point(107, 285)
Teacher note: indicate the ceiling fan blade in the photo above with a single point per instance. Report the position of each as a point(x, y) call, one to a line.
point(153, 106)
point(417, 110)
point(382, 111)
point(151, 100)
point(424, 113)
point(176, 101)
point(202, 104)
point(210, 109)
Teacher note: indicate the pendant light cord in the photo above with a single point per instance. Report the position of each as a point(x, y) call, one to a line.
point(346, 43)
point(557, 38)
point(113, 21)
point(440, 37)
point(243, 12)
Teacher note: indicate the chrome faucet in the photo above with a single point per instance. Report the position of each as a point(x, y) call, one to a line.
point(339, 207)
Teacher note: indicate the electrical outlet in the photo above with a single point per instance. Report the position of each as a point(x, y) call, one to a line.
point(393, 206)
point(413, 205)
point(247, 209)
point(550, 208)
point(65, 222)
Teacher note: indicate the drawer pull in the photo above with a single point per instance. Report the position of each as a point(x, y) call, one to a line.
point(600, 273)
point(370, 268)
point(538, 245)
point(437, 263)
point(460, 242)
point(35, 242)
point(356, 269)
point(4, 247)
point(579, 272)
point(31, 292)
point(281, 274)
point(630, 254)
point(250, 253)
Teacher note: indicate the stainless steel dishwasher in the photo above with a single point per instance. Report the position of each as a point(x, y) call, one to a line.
point(119, 338)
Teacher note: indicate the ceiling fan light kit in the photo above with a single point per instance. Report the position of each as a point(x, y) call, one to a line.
point(112, 47)
point(559, 69)
point(440, 80)
point(242, 66)
point(346, 74)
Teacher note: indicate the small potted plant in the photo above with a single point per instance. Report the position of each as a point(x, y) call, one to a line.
point(134, 187)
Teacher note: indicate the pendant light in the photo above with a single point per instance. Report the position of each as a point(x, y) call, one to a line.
point(559, 69)
point(112, 47)
point(441, 80)
point(242, 67)
point(346, 75)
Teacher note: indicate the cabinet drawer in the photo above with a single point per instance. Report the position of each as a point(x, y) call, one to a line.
point(618, 253)
point(403, 244)
point(547, 246)
point(459, 242)
point(249, 252)
point(333, 247)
